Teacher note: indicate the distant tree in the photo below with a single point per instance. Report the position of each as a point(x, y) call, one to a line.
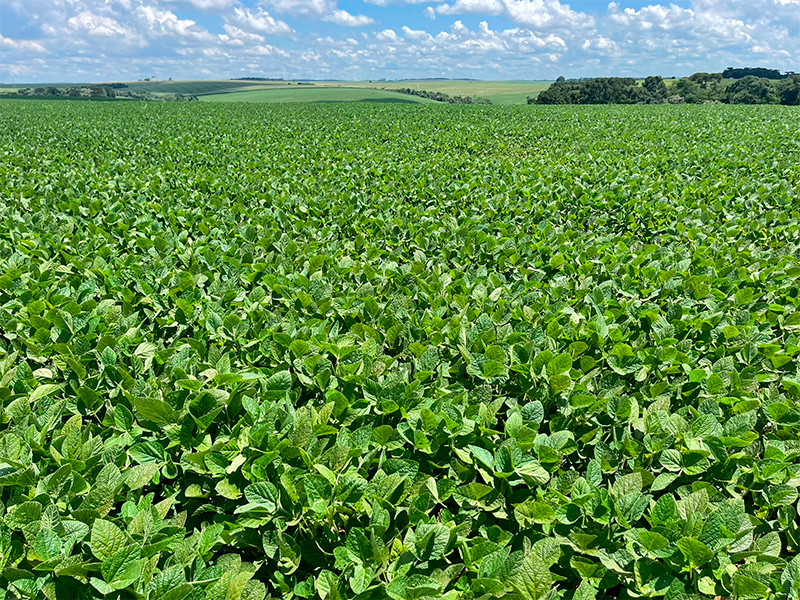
point(612, 90)
point(601, 90)
point(752, 90)
point(561, 92)
point(442, 97)
point(741, 73)
point(655, 88)
point(706, 79)
point(790, 91)
point(560, 79)
point(101, 91)
point(701, 87)
point(691, 91)
point(696, 89)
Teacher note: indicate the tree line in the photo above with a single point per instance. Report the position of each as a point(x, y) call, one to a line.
point(107, 92)
point(700, 88)
point(742, 72)
point(446, 98)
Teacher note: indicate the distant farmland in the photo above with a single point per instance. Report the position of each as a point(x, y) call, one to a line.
point(499, 92)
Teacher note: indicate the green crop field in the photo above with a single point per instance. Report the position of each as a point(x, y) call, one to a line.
point(308, 93)
point(499, 92)
point(376, 351)
point(200, 88)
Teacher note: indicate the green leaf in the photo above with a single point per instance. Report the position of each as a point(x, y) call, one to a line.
point(534, 513)
point(672, 460)
point(106, 539)
point(532, 579)
point(139, 476)
point(585, 591)
point(263, 493)
point(157, 411)
point(123, 568)
point(431, 541)
point(280, 382)
point(47, 544)
point(696, 552)
point(109, 357)
point(43, 391)
point(747, 587)
point(484, 456)
point(560, 364)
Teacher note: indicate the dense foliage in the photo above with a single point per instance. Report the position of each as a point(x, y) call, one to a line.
point(442, 97)
point(742, 72)
point(398, 352)
point(604, 90)
point(700, 88)
point(99, 92)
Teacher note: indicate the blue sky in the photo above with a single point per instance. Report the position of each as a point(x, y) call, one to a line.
point(119, 40)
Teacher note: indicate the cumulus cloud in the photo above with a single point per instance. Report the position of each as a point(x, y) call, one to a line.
point(238, 36)
point(97, 25)
point(325, 10)
point(342, 17)
point(387, 35)
point(388, 2)
point(259, 21)
point(24, 45)
point(202, 5)
point(532, 13)
point(159, 23)
point(419, 34)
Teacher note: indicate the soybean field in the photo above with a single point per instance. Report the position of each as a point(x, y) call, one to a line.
point(382, 351)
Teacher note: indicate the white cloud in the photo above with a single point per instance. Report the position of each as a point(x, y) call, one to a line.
point(682, 32)
point(267, 50)
point(342, 17)
point(480, 7)
point(165, 23)
point(203, 5)
point(303, 8)
point(320, 9)
point(418, 34)
point(237, 36)
point(97, 25)
point(387, 35)
point(527, 39)
point(26, 45)
point(531, 13)
point(388, 2)
point(259, 21)
point(600, 45)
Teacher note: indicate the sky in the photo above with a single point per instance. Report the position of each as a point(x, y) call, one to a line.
point(125, 40)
